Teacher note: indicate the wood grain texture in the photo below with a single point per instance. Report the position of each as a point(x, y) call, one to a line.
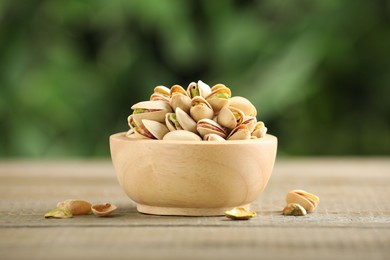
point(352, 220)
point(192, 178)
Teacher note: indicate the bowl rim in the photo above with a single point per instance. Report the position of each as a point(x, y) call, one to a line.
point(121, 136)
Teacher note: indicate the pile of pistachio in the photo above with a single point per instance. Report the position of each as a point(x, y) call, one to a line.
point(196, 113)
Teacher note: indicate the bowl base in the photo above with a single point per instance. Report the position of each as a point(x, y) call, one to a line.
point(184, 211)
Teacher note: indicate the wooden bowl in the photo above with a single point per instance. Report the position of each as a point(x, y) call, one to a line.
point(192, 178)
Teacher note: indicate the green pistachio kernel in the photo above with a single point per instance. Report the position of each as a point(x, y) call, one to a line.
point(58, 213)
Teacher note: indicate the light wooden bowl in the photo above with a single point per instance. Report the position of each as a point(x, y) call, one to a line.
point(192, 178)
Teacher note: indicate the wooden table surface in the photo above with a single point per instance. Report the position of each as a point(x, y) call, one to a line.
point(351, 222)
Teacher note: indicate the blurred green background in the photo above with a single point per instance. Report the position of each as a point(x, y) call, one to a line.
point(317, 71)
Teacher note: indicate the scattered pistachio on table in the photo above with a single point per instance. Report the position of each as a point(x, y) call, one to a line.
point(196, 113)
point(58, 213)
point(240, 214)
point(294, 209)
point(103, 210)
point(70, 208)
point(305, 199)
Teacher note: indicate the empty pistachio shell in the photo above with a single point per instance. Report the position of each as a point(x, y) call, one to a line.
point(76, 207)
point(103, 210)
point(58, 213)
point(305, 199)
point(240, 214)
point(294, 209)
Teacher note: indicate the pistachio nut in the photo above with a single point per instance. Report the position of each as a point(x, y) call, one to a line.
point(182, 135)
point(198, 89)
point(230, 117)
point(161, 93)
point(250, 122)
point(180, 98)
point(58, 213)
point(130, 121)
point(185, 121)
point(260, 130)
point(150, 129)
point(241, 132)
point(219, 97)
point(208, 126)
point(201, 109)
point(76, 207)
point(240, 214)
point(103, 210)
point(213, 137)
point(171, 122)
point(294, 209)
point(153, 110)
point(305, 199)
point(244, 105)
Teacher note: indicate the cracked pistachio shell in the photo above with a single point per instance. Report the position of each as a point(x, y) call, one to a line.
point(182, 135)
point(201, 109)
point(131, 134)
point(103, 210)
point(240, 214)
point(58, 213)
point(198, 89)
point(131, 122)
point(241, 132)
point(294, 209)
point(186, 122)
point(230, 117)
point(250, 122)
point(161, 93)
point(208, 126)
point(171, 122)
point(244, 105)
point(156, 129)
point(76, 207)
point(180, 98)
point(152, 110)
point(260, 130)
point(219, 97)
point(305, 199)
point(213, 137)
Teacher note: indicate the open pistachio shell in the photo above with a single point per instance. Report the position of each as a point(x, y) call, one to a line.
point(219, 97)
point(198, 89)
point(185, 121)
point(213, 137)
point(158, 130)
point(180, 98)
point(161, 93)
point(131, 122)
point(171, 122)
point(250, 122)
point(294, 209)
point(240, 214)
point(76, 207)
point(244, 105)
point(131, 134)
point(200, 109)
point(241, 132)
point(260, 130)
point(182, 135)
point(152, 110)
point(305, 199)
point(230, 117)
point(103, 210)
point(208, 126)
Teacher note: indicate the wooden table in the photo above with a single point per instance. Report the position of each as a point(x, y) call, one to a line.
point(351, 222)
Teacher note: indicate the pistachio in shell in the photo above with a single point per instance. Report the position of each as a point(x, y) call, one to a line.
point(244, 105)
point(152, 110)
point(305, 199)
point(186, 122)
point(161, 93)
point(230, 117)
point(198, 89)
point(241, 132)
point(240, 214)
point(76, 207)
point(103, 210)
point(201, 109)
point(260, 130)
point(219, 97)
point(213, 137)
point(294, 209)
point(182, 135)
point(180, 98)
point(208, 126)
point(151, 129)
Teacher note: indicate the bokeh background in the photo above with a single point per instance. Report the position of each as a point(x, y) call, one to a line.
point(317, 71)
